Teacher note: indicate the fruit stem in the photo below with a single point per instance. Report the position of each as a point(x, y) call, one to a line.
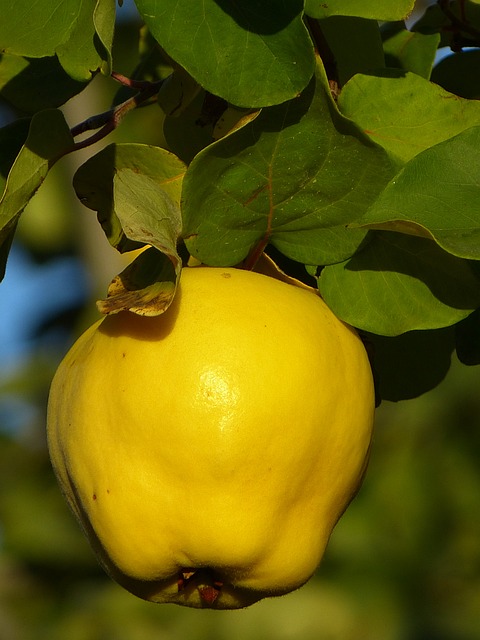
point(255, 254)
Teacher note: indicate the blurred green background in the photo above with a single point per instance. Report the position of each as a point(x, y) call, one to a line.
point(402, 564)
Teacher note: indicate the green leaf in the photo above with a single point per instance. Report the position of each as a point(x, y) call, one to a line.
point(411, 364)
point(6, 238)
point(355, 44)
point(409, 51)
point(186, 134)
point(33, 84)
point(295, 176)
point(400, 283)
point(177, 92)
point(48, 139)
point(146, 212)
point(79, 33)
point(104, 23)
point(94, 182)
point(387, 10)
point(405, 113)
point(12, 138)
point(251, 53)
point(438, 192)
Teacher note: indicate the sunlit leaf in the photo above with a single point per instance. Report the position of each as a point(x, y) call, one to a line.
point(400, 283)
point(439, 193)
point(386, 10)
point(80, 33)
point(405, 113)
point(252, 53)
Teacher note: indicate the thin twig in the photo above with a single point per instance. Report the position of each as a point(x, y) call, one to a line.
point(108, 121)
point(459, 23)
point(131, 82)
point(255, 254)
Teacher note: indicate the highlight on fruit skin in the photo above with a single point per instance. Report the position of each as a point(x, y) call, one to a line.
point(209, 452)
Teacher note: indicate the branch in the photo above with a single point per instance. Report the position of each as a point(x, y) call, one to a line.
point(108, 121)
point(460, 24)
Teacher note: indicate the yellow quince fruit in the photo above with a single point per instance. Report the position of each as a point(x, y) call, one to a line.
point(209, 452)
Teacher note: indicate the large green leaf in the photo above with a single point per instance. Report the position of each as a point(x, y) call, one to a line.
point(250, 53)
point(80, 33)
point(295, 176)
point(94, 182)
point(400, 283)
point(387, 10)
point(405, 113)
point(437, 194)
point(33, 84)
point(48, 139)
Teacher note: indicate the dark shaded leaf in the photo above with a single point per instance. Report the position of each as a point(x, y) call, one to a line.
point(364, 51)
point(408, 365)
point(435, 20)
point(468, 339)
point(458, 73)
point(33, 84)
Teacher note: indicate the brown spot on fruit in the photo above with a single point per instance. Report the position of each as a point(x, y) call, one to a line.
point(209, 593)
